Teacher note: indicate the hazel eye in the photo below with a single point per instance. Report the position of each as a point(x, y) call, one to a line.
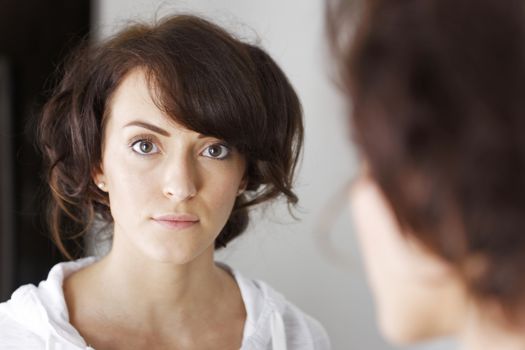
point(216, 151)
point(144, 147)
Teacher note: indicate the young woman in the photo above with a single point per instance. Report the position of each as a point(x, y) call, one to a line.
point(169, 132)
point(437, 90)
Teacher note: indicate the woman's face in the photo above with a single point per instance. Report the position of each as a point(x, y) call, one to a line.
point(417, 295)
point(171, 190)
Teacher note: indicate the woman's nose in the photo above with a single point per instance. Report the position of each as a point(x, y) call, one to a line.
point(180, 179)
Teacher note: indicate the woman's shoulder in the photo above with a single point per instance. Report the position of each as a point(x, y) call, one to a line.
point(13, 333)
point(14, 336)
point(270, 315)
point(35, 315)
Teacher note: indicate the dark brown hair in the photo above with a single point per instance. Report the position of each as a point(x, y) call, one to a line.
point(437, 90)
point(208, 81)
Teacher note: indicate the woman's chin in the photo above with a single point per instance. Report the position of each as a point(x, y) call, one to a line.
point(178, 255)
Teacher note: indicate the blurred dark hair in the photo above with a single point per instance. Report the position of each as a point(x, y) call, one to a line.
point(209, 82)
point(437, 96)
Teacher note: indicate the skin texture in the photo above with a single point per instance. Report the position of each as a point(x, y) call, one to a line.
point(159, 287)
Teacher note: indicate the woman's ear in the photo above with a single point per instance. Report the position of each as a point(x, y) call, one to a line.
point(99, 178)
point(242, 185)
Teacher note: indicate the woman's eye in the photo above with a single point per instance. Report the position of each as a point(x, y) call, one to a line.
point(216, 151)
point(144, 147)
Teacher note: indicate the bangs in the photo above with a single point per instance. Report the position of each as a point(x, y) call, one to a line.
point(210, 86)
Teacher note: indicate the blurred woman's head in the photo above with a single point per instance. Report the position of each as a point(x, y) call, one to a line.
point(436, 89)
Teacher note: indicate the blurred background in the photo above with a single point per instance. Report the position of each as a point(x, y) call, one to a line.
point(313, 261)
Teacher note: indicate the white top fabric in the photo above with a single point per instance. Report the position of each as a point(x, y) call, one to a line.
point(37, 317)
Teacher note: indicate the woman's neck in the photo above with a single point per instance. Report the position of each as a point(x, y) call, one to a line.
point(151, 285)
point(153, 294)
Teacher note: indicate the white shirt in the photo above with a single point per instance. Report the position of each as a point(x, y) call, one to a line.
point(37, 317)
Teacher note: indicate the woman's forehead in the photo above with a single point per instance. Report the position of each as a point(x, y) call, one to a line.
point(134, 103)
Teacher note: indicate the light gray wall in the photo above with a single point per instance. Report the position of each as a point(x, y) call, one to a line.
point(277, 249)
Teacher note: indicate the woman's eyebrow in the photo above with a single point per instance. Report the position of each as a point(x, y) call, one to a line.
point(148, 126)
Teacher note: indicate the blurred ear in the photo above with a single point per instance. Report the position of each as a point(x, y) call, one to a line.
point(383, 238)
point(428, 266)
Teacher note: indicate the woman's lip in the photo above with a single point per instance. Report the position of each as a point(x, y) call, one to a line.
point(176, 217)
point(177, 221)
point(176, 225)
